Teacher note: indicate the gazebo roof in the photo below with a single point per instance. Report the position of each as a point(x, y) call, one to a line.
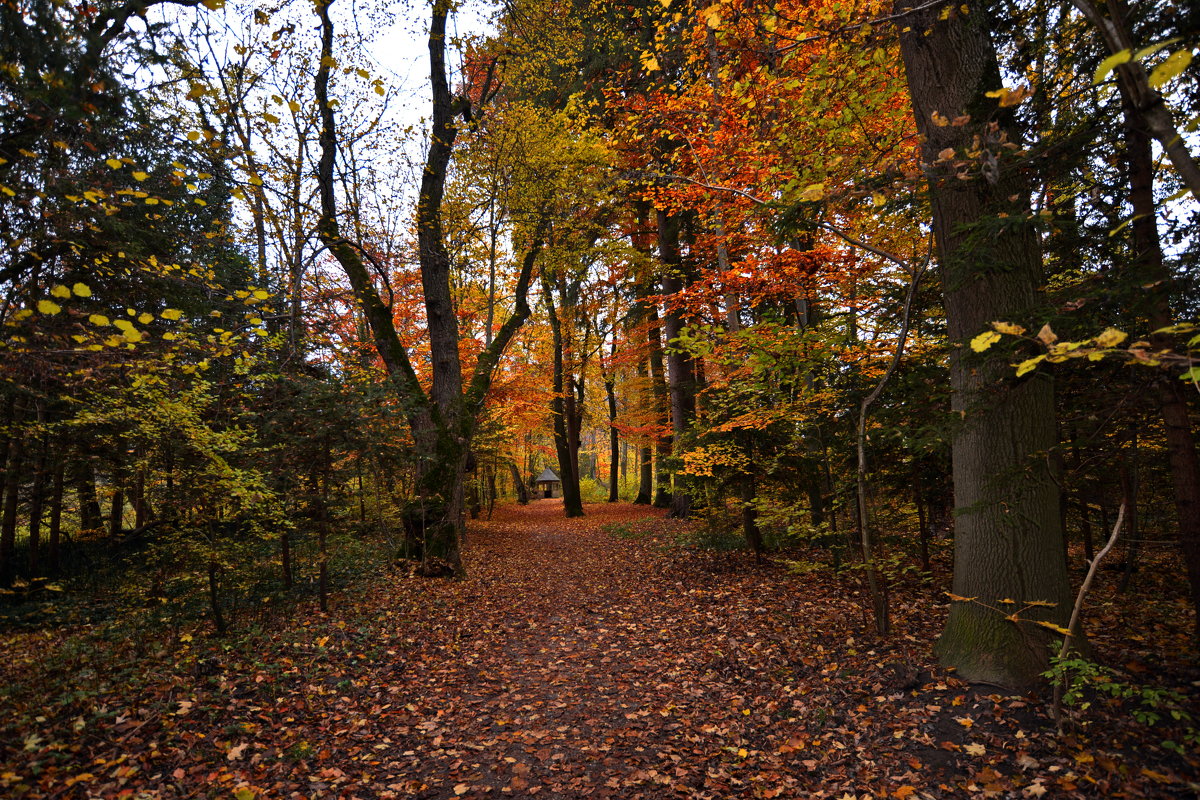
point(547, 475)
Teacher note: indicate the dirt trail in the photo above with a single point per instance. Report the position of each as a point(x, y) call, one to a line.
point(587, 665)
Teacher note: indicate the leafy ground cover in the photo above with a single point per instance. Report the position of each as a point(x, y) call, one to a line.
point(596, 657)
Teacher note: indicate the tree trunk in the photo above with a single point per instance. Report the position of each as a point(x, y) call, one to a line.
point(116, 518)
point(1008, 542)
point(13, 469)
point(614, 441)
point(681, 377)
point(1169, 392)
point(748, 491)
point(54, 536)
point(645, 493)
point(214, 603)
point(37, 503)
point(559, 410)
point(518, 484)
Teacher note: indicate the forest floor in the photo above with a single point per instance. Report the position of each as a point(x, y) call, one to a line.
point(581, 658)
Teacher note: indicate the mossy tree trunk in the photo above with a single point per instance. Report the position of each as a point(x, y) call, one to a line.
point(1009, 571)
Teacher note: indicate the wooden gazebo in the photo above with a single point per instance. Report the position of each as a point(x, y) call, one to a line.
point(548, 484)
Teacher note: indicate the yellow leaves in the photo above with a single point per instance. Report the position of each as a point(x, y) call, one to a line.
point(98, 319)
point(61, 291)
point(711, 16)
point(362, 73)
point(81, 290)
point(322, 641)
point(293, 106)
point(1029, 365)
point(145, 318)
point(140, 176)
point(255, 180)
point(171, 314)
point(649, 62)
point(1008, 328)
point(9, 192)
point(1175, 64)
point(213, 5)
point(124, 325)
point(1011, 97)
point(1053, 627)
point(261, 294)
point(1111, 338)
point(270, 118)
point(984, 340)
point(48, 307)
point(193, 136)
point(813, 193)
point(113, 163)
point(974, 750)
point(1111, 63)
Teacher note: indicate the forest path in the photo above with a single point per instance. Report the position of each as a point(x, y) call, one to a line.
point(590, 664)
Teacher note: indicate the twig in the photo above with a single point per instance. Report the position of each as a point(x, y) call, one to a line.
point(1093, 567)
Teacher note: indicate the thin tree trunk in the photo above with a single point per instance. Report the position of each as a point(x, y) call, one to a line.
point(559, 409)
point(53, 555)
point(214, 603)
point(922, 523)
point(681, 378)
point(1170, 393)
point(748, 491)
point(13, 472)
point(37, 501)
point(614, 439)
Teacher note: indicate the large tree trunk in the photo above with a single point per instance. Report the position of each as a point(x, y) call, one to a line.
point(1008, 541)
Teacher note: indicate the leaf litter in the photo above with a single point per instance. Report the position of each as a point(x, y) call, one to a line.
point(592, 657)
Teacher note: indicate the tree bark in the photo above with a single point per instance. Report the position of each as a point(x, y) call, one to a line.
point(54, 535)
point(681, 377)
point(1008, 541)
point(614, 438)
point(1169, 392)
point(567, 470)
point(13, 469)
